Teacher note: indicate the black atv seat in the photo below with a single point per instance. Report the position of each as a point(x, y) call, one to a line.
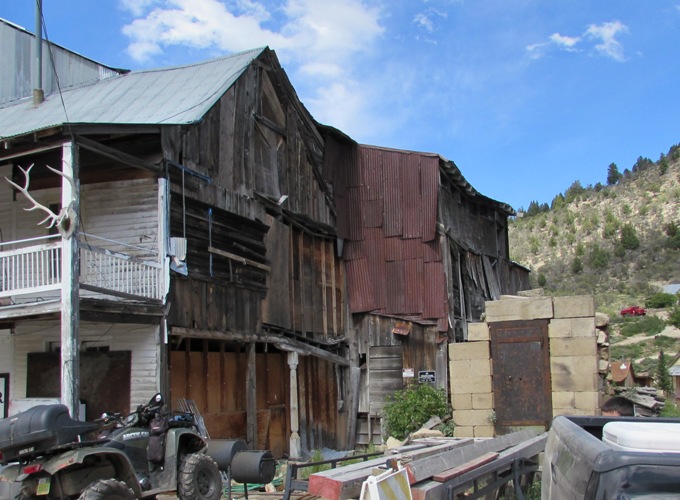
point(38, 429)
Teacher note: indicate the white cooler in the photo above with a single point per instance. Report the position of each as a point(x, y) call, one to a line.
point(651, 437)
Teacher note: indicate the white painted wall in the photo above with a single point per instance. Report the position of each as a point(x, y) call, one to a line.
point(141, 340)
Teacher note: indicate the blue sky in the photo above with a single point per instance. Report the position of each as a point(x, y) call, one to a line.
point(525, 96)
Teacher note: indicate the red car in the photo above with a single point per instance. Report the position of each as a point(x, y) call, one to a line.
point(633, 311)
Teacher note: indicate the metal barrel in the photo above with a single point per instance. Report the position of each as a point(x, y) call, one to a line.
point(254, 467)
point(223, 451)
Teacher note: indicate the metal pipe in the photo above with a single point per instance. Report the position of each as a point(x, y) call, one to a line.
point(38, 92)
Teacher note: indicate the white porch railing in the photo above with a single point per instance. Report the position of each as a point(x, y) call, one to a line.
point(123, 275)
point(35, 269)
point(31, 269)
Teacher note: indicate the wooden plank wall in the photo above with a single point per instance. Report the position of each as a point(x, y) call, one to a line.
point(216, 381)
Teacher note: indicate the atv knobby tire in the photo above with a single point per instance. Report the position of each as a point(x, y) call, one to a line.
point(199, 478)
point(107, 489)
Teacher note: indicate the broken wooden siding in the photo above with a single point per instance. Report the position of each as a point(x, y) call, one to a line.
point(214, 375)
point(389, 345)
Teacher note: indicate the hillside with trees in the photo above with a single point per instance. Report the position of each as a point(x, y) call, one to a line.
point(618, 240)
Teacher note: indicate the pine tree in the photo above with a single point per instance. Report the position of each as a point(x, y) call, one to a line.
point(613, 174)
point(663, 377)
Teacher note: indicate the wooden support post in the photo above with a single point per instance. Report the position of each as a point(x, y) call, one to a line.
point(295, 448)
point(251, 398)
point(70, 273)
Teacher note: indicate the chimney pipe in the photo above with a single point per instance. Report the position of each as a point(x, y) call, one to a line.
point(38, 92)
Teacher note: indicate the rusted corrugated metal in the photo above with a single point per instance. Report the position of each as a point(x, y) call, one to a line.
point(371, 166)
point(413, 286)
point(434, 291)
point(429, 174)
point(358, 280)
point(412, 209)
point(392, 208)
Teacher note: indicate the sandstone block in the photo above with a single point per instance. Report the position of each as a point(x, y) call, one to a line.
point(562, 382)
point(482, 401)
point(484, 431)
point(588, 401)
point(480, 367)
point(576, 306)
point(478, 332)
point(519, 309)
point(563, 400)
point(469, 350)
point(471, 385)
point(464, 431)
point(472, 417)
point(579, 346)
point(461, 401)
point(572, 327)
point(459, 368)
point(601, 320)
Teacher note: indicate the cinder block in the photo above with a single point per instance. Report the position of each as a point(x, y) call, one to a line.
point(484, 431)
point(519, 309)
point(471, 385)
point(472, 417)
point(575, 306)
point(461, 401)
point(579, 346)
point(572, 327)
point(482, 401)
point(478, 332)
point(563, 400)
point(589, 402)
point(464, 431)
point(469, 350)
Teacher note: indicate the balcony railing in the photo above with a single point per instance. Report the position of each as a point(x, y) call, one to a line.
point(36, 269)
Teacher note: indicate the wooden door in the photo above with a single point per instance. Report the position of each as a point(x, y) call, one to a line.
point(521, 374)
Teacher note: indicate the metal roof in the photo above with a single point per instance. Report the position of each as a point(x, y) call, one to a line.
point(169, 96)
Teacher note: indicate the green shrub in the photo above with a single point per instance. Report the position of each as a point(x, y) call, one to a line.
point(674, 317)
point(660, 300)
point(651, 325)
point(407, 410)
point(670, 410)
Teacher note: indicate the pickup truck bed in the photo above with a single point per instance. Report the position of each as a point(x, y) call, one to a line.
point(579, 464)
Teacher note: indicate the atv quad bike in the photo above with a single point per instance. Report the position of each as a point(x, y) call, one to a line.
point(148, 453)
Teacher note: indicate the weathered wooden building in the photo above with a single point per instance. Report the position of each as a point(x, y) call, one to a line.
point(190, 247)
point(423, 251)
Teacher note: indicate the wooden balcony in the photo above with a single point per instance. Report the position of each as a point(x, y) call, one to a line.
point(30, 270)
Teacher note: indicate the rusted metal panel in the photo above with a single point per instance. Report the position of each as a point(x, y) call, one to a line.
point(353, 250)
point(413, 286)
point(362, 298)
point(412, 209)
point(432, 251)
point(373, 213)
point(372, 168)
point(395, 283)
point(521, 368)
point(429, 183)
point(393, 204)
point(434, 291)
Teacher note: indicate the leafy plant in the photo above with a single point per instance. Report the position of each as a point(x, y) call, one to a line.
point(660, 300)
point(670, 410)
point(663, 377)
point(674, 317)
point(407, 410)
point(651, 325)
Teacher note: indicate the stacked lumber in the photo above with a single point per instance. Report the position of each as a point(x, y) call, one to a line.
point(430, 469)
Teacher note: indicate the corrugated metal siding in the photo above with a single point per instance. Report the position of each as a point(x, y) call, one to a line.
point(393, 226)
point(17, 47)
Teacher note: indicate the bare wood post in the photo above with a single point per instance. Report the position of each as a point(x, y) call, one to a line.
point(70, 273)
point(251, 398)
point(295, 447)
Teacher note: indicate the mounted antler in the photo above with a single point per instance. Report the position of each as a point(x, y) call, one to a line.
point(56, 219)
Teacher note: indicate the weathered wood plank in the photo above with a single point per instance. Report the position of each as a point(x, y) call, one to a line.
point(419, 470)
point(466, 467)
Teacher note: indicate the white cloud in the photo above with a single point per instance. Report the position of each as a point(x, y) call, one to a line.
point(423, 21)
point(320, 40)
point(567, 42)
point(606, 33)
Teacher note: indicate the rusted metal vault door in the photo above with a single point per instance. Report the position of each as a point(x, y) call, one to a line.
point(521, 374)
